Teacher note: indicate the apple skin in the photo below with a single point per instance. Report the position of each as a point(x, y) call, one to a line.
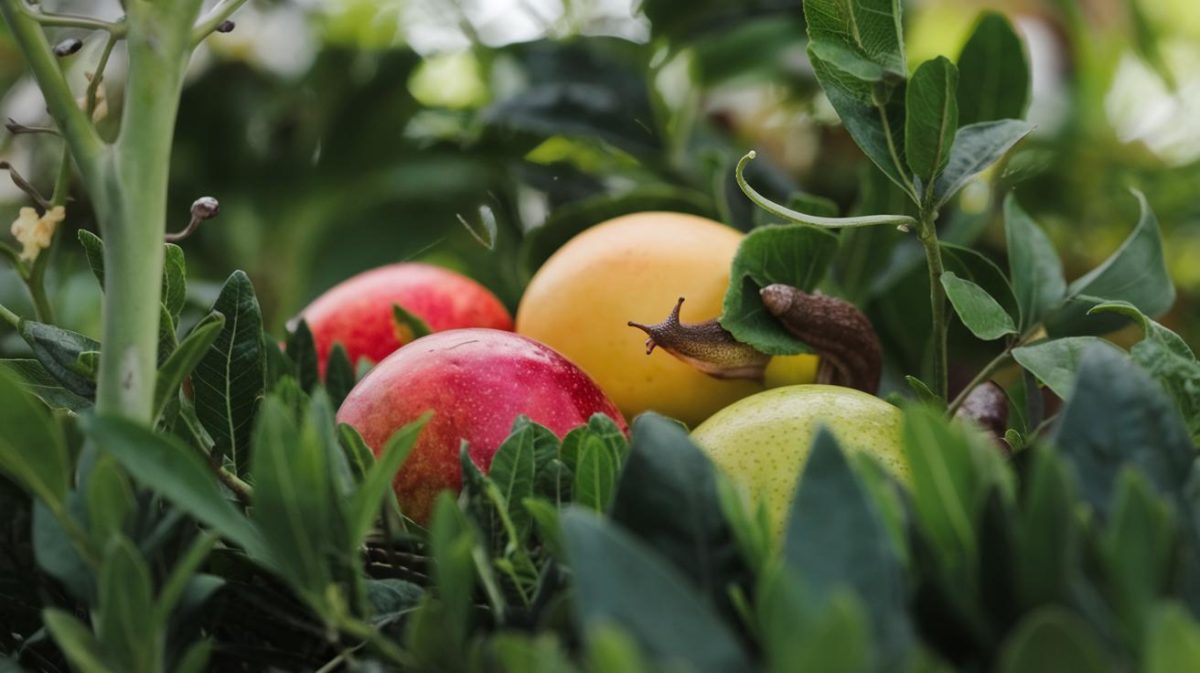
point(358, 311)
point(635, 267)
point(476, 382)
point(762, 442)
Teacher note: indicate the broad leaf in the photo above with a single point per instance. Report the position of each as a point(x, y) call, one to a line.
point(514, 469)
point(76, 641)
point(618, 580)
point(125, 621)
point(1052, 640)
point(185, 358)
point(59, 351)
point(1033, 265)
point(981, 314)
point(595, 474)
point(931, 117)
point(1172, 641)
point(33, 450)
point(796, 255)
point(230, 377)
point(976, 147)
point(1056, 362)
point(38, 381)
point(994, 72)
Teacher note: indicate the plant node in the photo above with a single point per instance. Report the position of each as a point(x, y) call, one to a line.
point(706, 346)
point(203, 208)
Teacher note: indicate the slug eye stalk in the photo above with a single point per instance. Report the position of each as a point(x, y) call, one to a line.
point(705, 346)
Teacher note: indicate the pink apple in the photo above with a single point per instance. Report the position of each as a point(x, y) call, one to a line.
point(476, 382)
point(358, 311)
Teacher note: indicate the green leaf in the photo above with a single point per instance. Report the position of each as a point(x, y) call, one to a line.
point(164, 464)
point(377, 480)
point(110, 500)
point(93, 249)
point(57, 552)
point(618, 581)
point(451, 541)
point(799, 634)
point(1172, 641)
point(1034, 266)
point(595, 474)
point(358, 455)
point(545, 515)
point(667, 497)
point(1052, 640)
point(410, 323)
point(610, 649)
point(931, 117)
point(391, 599)
point(174, 280)
point(869, 29)
point(796, 255)
point(1139, 551)
point(37, 380)
point(976, 147)
point(125, 621)
point(1135, 273)
point(33, 450)
point(1056, 362)
point(994, 71)
point(924, 393)
point(976, 267)
point(195, 658)
point(59, 352)
point(514, 469)
point(339, 374)
point(230, 378)
point(302, 351)
point(836, 538)
point(981, 314)
point(185, 358)
point(76, 641)
point(520, 653)
point(1119, 416)
point(1048, 532)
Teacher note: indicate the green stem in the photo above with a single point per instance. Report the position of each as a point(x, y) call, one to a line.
point(927, 233)
point(69, 20)
point(9, 317)
point(36, 282)
point(215, 18)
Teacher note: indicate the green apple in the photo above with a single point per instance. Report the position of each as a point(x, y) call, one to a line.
point(762, 441)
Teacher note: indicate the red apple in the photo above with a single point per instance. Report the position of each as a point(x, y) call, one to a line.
point(358, 311)
point(476, 382)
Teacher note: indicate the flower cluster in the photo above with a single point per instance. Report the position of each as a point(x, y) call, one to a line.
point(34, 232)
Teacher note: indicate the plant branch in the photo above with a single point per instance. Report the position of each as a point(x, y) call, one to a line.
point(9, 317)
point(69, 20)
point(927, 233)
point(86, 145)
point(243, 491)
point(214, 19)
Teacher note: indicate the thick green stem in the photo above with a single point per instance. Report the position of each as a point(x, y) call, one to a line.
point(927, 233)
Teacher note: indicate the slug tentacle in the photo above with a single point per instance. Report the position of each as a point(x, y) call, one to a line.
point(705, 346)
point(835, 329)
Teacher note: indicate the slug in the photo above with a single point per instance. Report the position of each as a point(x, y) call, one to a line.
point(835, 329)
point(987, 405)
point(705, 346)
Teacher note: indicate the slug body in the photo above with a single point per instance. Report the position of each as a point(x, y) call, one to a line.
point(835, 329)
point(705, 346)
point(987, 405)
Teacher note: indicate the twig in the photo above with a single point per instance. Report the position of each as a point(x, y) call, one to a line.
point(9, 317)
point(70, 20)
point(214, 19)
point(23, 184)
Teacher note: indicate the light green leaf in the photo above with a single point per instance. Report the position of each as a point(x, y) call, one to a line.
point(1172, 641)
point(1052, 640)
point(931, 117)
point(110, 500)
point(981, 314)
point(174, 280)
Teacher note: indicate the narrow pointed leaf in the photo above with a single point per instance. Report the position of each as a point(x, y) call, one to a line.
point(931, 117)
point(994, 72)
point(185, 358)
point(976, 147)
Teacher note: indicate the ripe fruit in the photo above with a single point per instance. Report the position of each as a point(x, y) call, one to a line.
point(358, 311)
point(635, 268)
point(476, 382)
point(762, 442)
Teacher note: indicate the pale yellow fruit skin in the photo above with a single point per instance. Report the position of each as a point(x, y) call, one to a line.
point(635, 267)
point(762, 441)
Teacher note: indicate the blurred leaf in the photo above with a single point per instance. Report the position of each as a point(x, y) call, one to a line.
point(1052, 640)
point(976, 147)
point(749, 523)
point(545, 515)
point(994, 71)
point(796, 255)
point(1172, 641)
point(667, 497)
point(391, 599)
point(619, 581)
point(302, 351)
point(412, 324)
point(520, 653)
point(164, 464)
point(229, 379)
point(976, 267)
point(1135, 273)
point(481, 225)
point(56, 552)
point(981, 314)
point(1048, 533)
point(339, 374)
point(610, 649)
point(1148, 43)
point(59, 351)
point(76, 641)
point(1033, 265)
point(377, 480)
point(799, 635)
point(358, 455)
point(1119, 416)
point(110, 500)
point(595, 474)
point(1139, 551)
point(1056, 362)
point(451, 540)
point(924, 393)
point(37, 380)
point(185, 358)
point(125, 621)
point(836, 538)
point(679, 19)
point(930, 117)
point(33, 450)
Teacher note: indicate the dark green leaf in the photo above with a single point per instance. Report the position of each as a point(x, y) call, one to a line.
point(76, 641)
point(976, 267)
point(617, 580)
point(451, 540)
point(229, 379)
point(56, 551)
point(836, 538)
point(994, 72)
point(981, 314)
point(58, 350)
point(176, 471)
point(1139, 552)
point(1056, 362)
point(976, 147)
point(1033, 265)
point(1119, 416)
point(185, 358)
point(870, 29)
point(37, 380)
point(924, 392)
point(391, 599)
point(377, 480)
point(125, 621)
point(800, 634)
point(514, 469)
point(1049, 535)
point(595, 474)
point(110, 500)
point(796, 255)
point(339, 374)
point(33, 450)
point(174, 280)
point(358, 455)
point(410, 323)
point(1052, 640)
point(1135, 273)
point(302, 351)
point(931, 117)
point(93, 249)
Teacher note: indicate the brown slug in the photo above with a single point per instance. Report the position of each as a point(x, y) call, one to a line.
point(987, 406)
point(705, 346)
point(835, 329)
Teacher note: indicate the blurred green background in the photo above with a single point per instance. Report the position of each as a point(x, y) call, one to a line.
point(343, 134)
